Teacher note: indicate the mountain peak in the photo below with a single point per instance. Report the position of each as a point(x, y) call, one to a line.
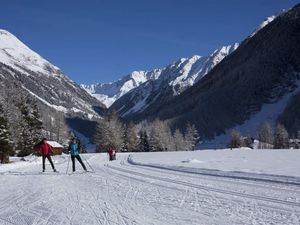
point(54, 90)
point(16, 54)
point(266, 21)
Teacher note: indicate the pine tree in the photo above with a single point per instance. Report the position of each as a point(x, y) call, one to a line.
point(144, 145)
point(31, 127)
point(191, 137)
point(5, 147)
point(281, 137)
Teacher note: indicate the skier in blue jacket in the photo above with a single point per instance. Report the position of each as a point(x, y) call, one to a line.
point(74, 150)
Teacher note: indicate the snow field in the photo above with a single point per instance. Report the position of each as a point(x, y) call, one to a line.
point(121, 192)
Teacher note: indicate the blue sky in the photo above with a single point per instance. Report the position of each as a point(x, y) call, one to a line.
point(103, 40)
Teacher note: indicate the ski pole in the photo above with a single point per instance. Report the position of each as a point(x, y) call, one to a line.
point(68, 164)
point(88, 164)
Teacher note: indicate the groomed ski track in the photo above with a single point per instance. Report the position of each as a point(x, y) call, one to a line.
point(125, 192)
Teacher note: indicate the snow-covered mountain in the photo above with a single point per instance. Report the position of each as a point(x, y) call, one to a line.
point(24, 73)
point(193, 69)
point(17, 55)
point(258, 82)
point(169, 81)
point(268, 20)
point(190, 70)
point(110, 92)
point(179, 75)
point(41, 79)
point(173, 80)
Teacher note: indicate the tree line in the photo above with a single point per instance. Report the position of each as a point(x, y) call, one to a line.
point(20, 124)
point(267, 136)
point(143, 137)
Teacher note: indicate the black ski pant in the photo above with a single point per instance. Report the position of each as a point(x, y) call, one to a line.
point(79, 160)
point(50, 160)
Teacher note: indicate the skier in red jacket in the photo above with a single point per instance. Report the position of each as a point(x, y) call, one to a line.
point(45, 150)
point(112, 154)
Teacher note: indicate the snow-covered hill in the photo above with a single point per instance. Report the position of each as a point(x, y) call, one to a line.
point(42, 80)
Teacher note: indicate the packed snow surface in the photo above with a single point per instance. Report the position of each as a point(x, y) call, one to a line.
point(155, 188)
point(275, 162)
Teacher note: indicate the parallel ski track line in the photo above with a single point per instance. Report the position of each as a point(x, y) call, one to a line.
point(267, 180)
point(201, 187)
point(216, 179)
point(122, 176)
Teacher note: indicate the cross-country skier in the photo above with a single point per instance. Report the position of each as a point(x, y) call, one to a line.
point(74, 150)
point(112, 154)
point(45, 150)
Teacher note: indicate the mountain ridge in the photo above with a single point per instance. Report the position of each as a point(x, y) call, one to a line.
point(263, 70)
point(34, 69)
point(24, 73)
point(109, 93)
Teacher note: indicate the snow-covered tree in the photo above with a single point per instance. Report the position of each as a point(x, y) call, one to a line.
point(131, 141)
point(191, 137)
point(30, 126)
point(236, 139)
point(109, 133)
point(5, 146)
point(160, 136)
point(179, 141)
point(281, 137)
point(144, 145)
point(102, 135)
point(265, 134)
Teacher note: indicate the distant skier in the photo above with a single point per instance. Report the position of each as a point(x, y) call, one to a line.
point(74, 149)
point(45, 150)
point(112, 154)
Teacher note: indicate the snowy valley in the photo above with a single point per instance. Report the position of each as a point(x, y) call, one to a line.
point(210, 140)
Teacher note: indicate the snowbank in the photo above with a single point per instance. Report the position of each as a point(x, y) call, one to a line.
point(275, 162)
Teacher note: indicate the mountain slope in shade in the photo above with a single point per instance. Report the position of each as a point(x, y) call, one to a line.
point(262, 71)
point(42, 80)
point(268, 20)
